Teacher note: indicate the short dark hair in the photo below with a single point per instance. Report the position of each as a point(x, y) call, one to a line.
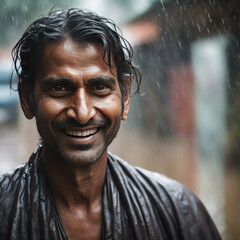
point(80, 26)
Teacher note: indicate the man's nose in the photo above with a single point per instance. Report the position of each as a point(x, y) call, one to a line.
point(81, 108)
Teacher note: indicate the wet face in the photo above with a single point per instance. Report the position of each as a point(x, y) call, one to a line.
point(77, 102)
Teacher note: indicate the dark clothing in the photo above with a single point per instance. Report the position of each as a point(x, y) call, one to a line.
point(137, 204)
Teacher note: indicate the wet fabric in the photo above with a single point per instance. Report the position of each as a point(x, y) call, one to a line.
point(137, 204)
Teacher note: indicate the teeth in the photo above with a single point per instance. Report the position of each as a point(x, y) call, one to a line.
point(81, 133)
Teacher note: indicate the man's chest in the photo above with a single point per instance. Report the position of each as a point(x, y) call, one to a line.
point(80, 225)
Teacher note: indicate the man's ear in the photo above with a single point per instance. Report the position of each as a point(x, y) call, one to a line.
point(126, 96)
point(26, 101)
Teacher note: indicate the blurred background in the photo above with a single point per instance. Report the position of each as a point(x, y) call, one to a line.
point(186, 123)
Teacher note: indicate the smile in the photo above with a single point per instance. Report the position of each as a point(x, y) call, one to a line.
point(85, 133)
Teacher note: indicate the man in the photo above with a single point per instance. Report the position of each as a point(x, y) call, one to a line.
point(75, 74)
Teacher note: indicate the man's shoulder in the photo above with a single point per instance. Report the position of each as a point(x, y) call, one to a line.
point(168, 200)
point(11, 188)
point(160, 189)
point(10, 181)
point(150, 178)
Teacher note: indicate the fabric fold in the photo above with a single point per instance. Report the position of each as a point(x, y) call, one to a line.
point(137, 204)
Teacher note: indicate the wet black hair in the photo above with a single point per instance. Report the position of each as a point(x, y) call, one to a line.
point(80, 26)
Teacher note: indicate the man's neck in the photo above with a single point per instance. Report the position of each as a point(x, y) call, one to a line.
point(75, 186)
point(78, 193)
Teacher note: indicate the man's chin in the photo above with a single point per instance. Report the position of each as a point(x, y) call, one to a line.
point(80, 158)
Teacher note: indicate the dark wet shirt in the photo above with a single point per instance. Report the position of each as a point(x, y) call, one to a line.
point(137, 204)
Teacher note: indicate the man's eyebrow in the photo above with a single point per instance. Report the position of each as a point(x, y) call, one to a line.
point(103, 78)
point(54, 80)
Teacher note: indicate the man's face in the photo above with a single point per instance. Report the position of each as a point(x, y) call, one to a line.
point(77, 102)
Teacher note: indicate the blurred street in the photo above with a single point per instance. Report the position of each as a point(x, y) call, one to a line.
point(9, 139)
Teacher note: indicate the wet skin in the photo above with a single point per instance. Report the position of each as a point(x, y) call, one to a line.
point(78, 110)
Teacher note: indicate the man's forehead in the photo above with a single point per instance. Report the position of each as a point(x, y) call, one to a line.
point(68, 56)
point(70, 45)
point(73, 47)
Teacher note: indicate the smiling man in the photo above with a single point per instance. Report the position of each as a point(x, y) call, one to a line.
point(78, 102)
point(75, 75)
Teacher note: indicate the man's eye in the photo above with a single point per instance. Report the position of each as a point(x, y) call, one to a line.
point(100, 87)
point(58, 88)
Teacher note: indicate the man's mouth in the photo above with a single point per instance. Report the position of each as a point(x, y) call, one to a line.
point(77, 133)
